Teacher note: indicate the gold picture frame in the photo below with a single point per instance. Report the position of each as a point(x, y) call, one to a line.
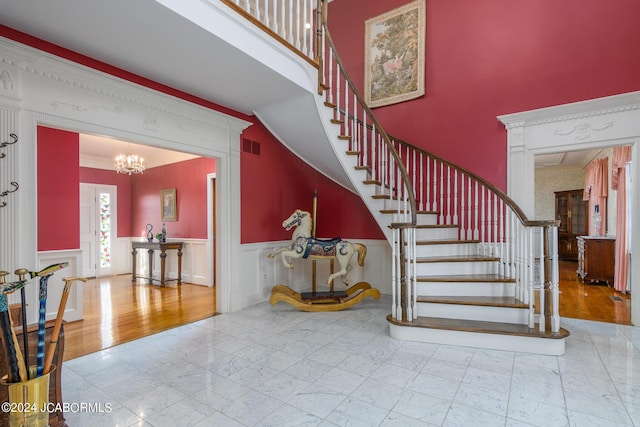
point(394, 53)
point(168, 207)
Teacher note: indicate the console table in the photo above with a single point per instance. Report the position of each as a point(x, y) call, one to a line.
point(163, 248)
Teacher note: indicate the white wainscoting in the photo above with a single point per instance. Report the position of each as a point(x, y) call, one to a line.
point(259, 273)
point(55, 285)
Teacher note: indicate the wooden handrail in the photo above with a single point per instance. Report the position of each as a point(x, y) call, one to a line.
point(378, 127)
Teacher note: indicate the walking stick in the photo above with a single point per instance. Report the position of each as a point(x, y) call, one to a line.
point(7, 339)
point(5, 289)
point(22, 272)
point(58, 325)
point(44, 275)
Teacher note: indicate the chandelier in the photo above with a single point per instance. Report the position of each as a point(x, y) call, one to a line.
point(129, 163)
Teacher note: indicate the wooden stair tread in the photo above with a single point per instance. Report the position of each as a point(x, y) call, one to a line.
point(457, 258)
point(437, 226)
point(480, 326)
point(445, 242)
point(485, 301)
point(466, 278)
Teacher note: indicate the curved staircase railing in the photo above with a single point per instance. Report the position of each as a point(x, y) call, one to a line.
point(414, 181)
point(383, 167)
point(526, 249)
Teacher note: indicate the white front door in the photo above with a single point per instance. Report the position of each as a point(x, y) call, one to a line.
point(98, 228)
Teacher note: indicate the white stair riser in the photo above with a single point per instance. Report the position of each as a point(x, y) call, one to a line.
point(447, 268)
point(550, 347)
point(395, 204)
point(449, 249)
point(474, 312)
point(436, 233)
point(427, 219)
point(497, 289)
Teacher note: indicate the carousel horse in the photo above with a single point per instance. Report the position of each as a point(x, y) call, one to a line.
point(305, 246)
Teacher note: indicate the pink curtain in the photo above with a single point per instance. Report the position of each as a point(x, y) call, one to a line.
point(621, 156)
point(596, 188)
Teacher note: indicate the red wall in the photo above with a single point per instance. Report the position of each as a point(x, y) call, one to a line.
point(189, 180)
point(123, 184)
point(58, 189)
point(492, 57)
point(276, 183)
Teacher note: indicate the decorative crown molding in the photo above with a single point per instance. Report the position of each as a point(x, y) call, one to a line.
point(576, 110)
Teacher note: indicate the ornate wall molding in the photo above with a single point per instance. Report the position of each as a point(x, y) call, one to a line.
point(582, 130)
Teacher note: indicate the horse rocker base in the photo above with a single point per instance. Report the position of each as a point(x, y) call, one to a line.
point(323, 301)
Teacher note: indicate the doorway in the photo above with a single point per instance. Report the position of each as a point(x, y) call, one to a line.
point(98, 223)
point(557, 175)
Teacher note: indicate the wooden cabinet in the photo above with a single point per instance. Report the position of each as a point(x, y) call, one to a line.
point(596, 259)
point(573, 213)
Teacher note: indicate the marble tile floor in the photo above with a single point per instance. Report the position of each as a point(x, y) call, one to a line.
point(275, 366)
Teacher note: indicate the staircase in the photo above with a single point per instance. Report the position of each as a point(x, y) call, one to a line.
point(468, 267)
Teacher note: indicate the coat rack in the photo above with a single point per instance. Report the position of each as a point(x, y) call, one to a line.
point(14, 184)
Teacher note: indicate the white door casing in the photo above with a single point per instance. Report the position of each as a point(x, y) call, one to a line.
point(46, 90)
point(602, 122)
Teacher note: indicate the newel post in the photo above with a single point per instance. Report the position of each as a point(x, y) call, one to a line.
point(551, 272)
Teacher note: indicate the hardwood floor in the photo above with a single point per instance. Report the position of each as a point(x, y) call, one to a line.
point(591, 302)
point(117, 311)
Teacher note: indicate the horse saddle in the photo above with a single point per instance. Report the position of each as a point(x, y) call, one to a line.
point(320, 247)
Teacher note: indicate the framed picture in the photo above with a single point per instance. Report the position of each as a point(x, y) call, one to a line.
point(394, 53)
point(168, 210)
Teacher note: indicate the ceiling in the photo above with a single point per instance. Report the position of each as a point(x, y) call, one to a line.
point(100, 152)
point(146, 38)
point(566, 160)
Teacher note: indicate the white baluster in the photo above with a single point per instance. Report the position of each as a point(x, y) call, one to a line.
point(463, 223)
point(455, 197)
point(483, 224)
point(470, 209)
point(476, 212)
point(394, 285)
point(408, 268)
point(421, 183)
point(555, 279)
point(495, 226)
point(541, 283)
point(355, 123)
point(256, 5)
point(531, 277)
point(414, 275)
point(442, 207)
point(428, 186)
point(502, 242)
point(448, 208)
point(305, 21)
point(276, 27)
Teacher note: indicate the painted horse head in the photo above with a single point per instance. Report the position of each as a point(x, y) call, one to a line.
point(295, 220)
